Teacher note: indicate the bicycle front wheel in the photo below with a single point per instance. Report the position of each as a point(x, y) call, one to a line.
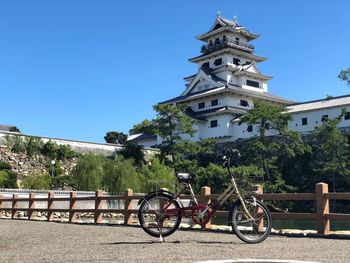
point(159, 214)
point(252, 227)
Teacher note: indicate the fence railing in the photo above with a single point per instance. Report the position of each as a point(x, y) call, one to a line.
point(322, 216)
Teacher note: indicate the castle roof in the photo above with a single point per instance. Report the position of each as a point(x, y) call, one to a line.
point(320, 104)
point(222, 24)
point(228, 88)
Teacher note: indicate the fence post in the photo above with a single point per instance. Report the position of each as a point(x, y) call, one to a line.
point(127, 201)
point(31, 206)
point(322, 209)
point(98, 206)
point(50, 206)
point(14, 206)
point(72, 207)
point(205, 198)
point(1, 197)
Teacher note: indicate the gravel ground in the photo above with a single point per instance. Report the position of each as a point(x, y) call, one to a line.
point(34, 241)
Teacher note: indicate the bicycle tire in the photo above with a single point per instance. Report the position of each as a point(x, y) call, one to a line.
point(150, 210)
point(249, 230)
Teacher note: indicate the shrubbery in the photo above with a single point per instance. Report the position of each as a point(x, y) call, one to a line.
point(8, 179)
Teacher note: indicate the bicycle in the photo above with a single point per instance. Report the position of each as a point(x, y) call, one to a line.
point(161, 211)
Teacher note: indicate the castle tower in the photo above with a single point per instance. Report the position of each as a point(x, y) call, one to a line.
point(226, 83)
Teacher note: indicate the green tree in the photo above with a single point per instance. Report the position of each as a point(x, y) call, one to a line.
point(156, 175)
point(146, 126)
point(267, 150)
point(345, 75)
point(120, 174)
point(88, 172)
point(115, 137)
point(172, 121)
point(14, 129)
point(37, 181)
point(332, 151)
point(134, 151)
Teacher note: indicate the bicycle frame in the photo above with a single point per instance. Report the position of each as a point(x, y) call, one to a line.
point(206, 209)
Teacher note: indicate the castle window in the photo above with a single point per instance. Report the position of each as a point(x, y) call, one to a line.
point(206, 64)
point(224, 38)
point(217, 41)
point(347, 116)
point(213, 123)
point(214, 102)
point(244, 103)
point(210, 42)
point(236, 61)
point(218, 62)
point(304, 121)
point(250, 128)
point(201, 105)
point(324, 118)
point(237, 40)
point(253, 83)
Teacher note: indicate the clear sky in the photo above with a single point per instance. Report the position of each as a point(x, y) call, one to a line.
point(76, 69)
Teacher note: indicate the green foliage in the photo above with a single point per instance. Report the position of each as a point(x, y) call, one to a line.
point(88, 172)
point(33, 145)
point(37, 181)
point(64, 152)
point(5, 166)
point(120, 174)
point(8, 179)
point(15, 143)
point(14, 129)
point(331, 148)
point(345, 75)
point(157, 175)
point(134, 151)
point(115, 137)
point(49, 149)
point(214, 176)
point(63, 182)
point(145, 126)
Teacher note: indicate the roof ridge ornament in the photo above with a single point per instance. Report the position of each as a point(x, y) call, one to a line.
point(218, 13)
point(235, 19)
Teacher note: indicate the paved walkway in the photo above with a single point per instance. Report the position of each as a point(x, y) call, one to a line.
point(34, 241)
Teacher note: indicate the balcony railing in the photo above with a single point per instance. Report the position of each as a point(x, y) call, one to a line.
point(227, 43)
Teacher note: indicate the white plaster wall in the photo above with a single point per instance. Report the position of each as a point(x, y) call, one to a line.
point(223, 128)
point(314, 118)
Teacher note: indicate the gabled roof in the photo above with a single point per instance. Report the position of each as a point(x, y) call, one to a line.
point(228, 88)
point(206, 73)
point(222, 24)
point(319, 104)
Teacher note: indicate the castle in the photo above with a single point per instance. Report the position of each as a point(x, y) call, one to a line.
point(227, 83)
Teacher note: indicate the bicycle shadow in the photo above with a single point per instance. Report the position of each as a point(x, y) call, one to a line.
point(170, 242)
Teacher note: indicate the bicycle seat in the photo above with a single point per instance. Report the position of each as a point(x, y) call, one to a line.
point(185, 177)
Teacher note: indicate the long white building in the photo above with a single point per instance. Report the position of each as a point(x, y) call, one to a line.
point(228, 81)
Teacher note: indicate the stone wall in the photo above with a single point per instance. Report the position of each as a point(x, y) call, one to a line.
point(23, 165)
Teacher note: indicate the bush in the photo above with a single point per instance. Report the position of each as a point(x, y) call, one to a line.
point(33, 145)
point(119, 175)
point(37, 181)
point(50, 150)
point(8, 179)
point(156, 176)
point(15, 143)
point(5, 166)
point(65, 152)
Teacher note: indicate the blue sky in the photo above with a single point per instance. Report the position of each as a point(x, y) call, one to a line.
point(78, 68)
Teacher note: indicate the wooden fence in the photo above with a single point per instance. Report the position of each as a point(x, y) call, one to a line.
point(321, 196)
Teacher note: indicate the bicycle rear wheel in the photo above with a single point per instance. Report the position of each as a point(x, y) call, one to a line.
point(253, 228)
point(159, 214)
